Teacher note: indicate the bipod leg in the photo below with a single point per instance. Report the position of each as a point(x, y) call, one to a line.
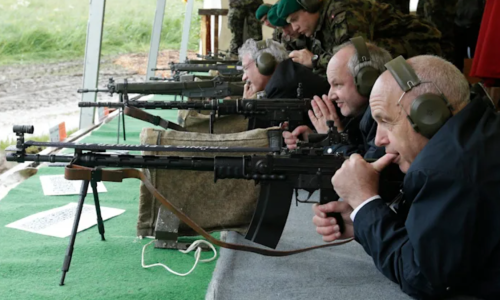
point(118, 130)
point(123, 122)
point(100, 223)
point(69, 250)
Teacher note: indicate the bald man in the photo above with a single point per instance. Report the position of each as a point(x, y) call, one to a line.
point(440, 238)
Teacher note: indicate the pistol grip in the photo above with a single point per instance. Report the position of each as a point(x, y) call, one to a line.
point(328, 195)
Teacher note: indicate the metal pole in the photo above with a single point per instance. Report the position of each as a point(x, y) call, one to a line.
point(155, 38)
point(185, 31)
point(92, 58)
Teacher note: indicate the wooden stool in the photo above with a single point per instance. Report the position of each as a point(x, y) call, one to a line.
point(206, 29)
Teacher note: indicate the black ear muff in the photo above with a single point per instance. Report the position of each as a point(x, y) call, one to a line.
point(265, 62)
point(310, 6)
point(366, 76)
point(365, 79)
point(429, 111)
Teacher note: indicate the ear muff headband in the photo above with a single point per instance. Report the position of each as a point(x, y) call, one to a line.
point(265, 62)
point(311, 6)
point(366, 76)
point(429, 111)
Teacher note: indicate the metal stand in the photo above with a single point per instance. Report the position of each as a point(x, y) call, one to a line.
point(74, 230)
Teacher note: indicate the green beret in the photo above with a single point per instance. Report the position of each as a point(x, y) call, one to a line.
point(262, 11)
point(272, 17)
point(287, 7)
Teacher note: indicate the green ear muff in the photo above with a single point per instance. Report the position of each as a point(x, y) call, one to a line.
point(265, 62)
point(310, 6)
point(366, 75)
point(428, 112)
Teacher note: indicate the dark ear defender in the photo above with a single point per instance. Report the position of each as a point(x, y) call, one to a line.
point(428, 112)
point(365, 76)
point(310, 6)
point(265, 62)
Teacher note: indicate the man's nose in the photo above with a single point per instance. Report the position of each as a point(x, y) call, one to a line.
point(245, 76)
point(381, 139)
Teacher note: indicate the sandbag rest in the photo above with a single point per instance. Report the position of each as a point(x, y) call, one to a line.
point(227, 205)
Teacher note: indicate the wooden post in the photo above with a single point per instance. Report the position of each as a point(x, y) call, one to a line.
point(216, 35)
point(204, 34)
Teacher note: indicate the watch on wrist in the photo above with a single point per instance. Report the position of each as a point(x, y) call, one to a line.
point(314, 60)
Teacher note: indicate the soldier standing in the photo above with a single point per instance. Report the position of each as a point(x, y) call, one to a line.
point(239, 11)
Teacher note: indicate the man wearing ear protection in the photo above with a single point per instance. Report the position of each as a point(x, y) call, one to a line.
point(270, 74)
point(442, 239)
point(331, 22)
point(351, 72)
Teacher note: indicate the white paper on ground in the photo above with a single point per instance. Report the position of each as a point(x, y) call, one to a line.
point(58, 221)
point(56, 185)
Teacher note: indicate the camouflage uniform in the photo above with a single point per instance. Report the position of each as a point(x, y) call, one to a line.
point(239, 10)
point(288, 42)
point(442, 14)
point(402, 5)
point(398, 33)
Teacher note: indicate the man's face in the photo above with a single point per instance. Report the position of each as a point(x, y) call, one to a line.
point(265, 21)
point(342, 87)
point(252, 75)
point(303, 22)
point(288, 30)
point(394, 131)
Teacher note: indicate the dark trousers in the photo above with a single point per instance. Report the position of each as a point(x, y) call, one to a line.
point(463, 39)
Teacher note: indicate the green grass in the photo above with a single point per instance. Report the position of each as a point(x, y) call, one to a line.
point(51, 30)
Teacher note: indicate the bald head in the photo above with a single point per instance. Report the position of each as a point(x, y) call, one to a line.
point(437, 75)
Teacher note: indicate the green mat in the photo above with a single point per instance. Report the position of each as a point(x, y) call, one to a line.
point(30, 263)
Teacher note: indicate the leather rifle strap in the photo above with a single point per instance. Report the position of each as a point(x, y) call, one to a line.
point(75, 172)
point(155, 120)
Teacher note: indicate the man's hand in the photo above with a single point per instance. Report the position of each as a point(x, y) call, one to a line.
point(357, 180)
point(327, 226)
point(248, 92)
point(291, 138)
point(323, 110)
point(303, 57)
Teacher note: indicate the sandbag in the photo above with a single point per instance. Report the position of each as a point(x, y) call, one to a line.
point(226, 205)
point(195, 121)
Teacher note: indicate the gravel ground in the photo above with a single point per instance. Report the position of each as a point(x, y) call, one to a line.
point(44, 95)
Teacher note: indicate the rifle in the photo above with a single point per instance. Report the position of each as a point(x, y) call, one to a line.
point(275, 111)
point(215, 88)
point(279, 175)
point(224, 69)
point(191, 77)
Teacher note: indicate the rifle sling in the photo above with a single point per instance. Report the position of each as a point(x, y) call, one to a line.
point(75, 172)
point(147, 117)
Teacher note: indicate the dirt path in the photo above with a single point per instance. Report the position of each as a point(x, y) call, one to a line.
point(44, 95)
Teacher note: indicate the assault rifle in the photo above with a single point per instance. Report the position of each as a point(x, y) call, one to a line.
point(215, 88)
point(270, 111)
point(223, 69)
point(279, 175)
point(191, 77)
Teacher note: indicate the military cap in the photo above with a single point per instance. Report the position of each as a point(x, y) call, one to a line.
point(262, 11)
point(287, 7)
point(274, 19)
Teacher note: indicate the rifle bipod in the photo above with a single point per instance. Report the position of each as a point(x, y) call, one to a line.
point(95, 177)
